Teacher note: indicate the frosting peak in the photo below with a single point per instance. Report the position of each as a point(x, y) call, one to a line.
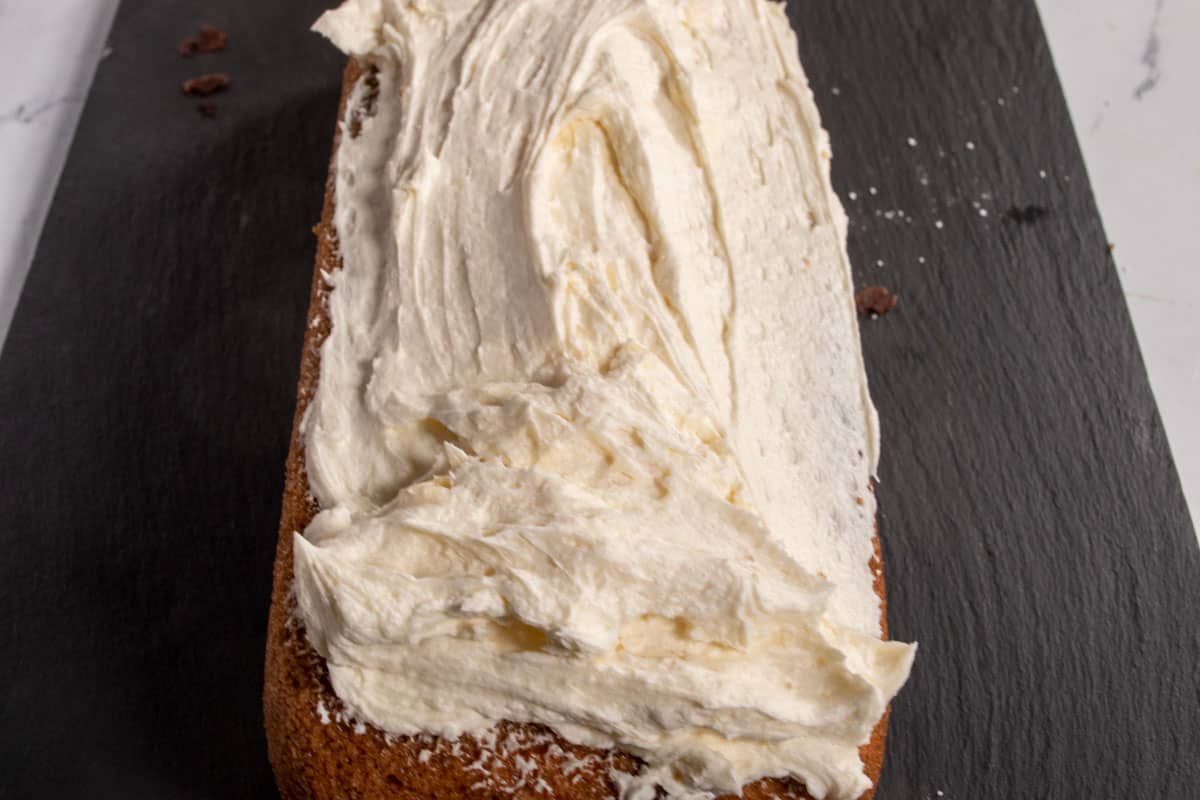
point(592, 438)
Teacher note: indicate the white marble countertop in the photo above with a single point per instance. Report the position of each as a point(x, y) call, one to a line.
point(1129, 68)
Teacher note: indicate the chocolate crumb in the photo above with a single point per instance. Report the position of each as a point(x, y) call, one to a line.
point(1112, 246)
point(1026, 215)
point(207, 84)
point(208, 109)
point(209, 40)
point(875, 300)
point(366, 109)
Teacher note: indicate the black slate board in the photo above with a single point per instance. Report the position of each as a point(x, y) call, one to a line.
point(1036, 540)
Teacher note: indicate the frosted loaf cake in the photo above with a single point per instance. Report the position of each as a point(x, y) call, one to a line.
point(584, 418)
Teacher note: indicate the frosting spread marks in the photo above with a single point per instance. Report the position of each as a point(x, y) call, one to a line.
point(592, 437)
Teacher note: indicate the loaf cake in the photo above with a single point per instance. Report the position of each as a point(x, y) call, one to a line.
point(578, 498)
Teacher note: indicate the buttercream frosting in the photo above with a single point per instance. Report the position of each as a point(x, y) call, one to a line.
point(592, 439)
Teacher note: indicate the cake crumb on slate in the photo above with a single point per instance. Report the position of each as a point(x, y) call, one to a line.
point(207, 84)
point(210, 39)
point(875, 301)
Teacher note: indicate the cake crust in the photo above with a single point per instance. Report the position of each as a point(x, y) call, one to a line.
point(317, 753)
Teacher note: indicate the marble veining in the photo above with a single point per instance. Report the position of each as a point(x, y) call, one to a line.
point(30, 110)
point(57, 44)
point(1150, 56)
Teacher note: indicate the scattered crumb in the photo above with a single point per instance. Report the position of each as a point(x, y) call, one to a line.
point(879, 262)
point(875, 301)
point(208, 109)
point(983, 212)
point(939, 224)
point(836, 91)
point(209, 40)
point(1112, 246)
point(1042, 174)
point(873, 191)
point(1000, 101)
point(853, 195)
point(970, 145)
point(365, 107)
point(920, 259)
point(912, 142)
point(207, 84)
point(1027, 214)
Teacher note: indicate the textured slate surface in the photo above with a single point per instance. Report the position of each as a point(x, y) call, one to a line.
point(1036, 539)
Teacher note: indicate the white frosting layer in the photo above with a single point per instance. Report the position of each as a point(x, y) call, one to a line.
point(592, 437)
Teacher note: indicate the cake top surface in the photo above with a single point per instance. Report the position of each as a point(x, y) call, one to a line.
point(592, 439)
